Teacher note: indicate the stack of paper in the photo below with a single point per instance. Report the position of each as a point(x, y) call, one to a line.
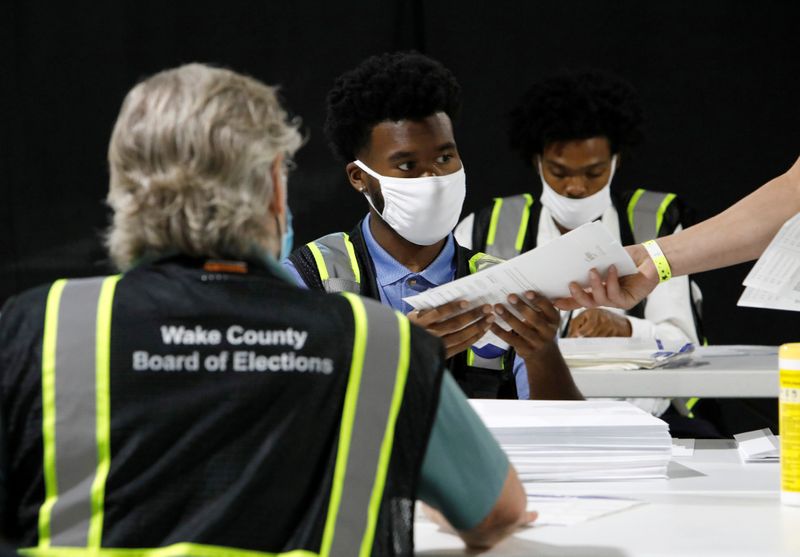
point(578, 440)
point(758, 446)
point(774, 281)
point(622, 353)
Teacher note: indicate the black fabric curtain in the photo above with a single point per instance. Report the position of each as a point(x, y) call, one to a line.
point(719, 81)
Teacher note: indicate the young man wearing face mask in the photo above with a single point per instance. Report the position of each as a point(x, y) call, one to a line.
point(390, 121)
point(573, 130)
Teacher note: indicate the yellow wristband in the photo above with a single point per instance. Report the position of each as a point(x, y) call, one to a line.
point(659, 260)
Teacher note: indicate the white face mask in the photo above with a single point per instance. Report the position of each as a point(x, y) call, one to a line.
point(422, 210)
point(571, 213)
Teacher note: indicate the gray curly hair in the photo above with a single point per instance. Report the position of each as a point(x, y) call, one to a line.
point(190, 159)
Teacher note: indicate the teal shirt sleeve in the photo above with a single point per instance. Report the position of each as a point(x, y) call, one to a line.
point(464, 468)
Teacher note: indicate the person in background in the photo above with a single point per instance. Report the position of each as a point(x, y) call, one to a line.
point(738, 234)
point(390, 121)
point(574, 130)
point(200, 403)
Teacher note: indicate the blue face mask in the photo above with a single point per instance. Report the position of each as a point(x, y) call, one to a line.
point(287, 242)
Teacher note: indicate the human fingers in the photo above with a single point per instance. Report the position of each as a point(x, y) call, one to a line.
point(545, 306)
point(530, 318)
point(599, 292)
point(534, 330)
point(581, 297)
point(425, 317)
point(459, 341)
point(528, 517)
point(459, 322)
point(508, 337)
point(576, 326)
point(567, 304)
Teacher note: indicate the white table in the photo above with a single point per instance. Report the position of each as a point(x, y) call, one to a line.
point(717, 371)
point(711, 505)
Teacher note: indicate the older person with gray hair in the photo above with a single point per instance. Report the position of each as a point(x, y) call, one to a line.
point(200, 404)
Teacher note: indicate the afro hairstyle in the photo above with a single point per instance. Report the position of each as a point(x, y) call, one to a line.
point(389, 87)
point(576, 105)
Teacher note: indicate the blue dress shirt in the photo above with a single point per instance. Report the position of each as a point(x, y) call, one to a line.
point(396, 282)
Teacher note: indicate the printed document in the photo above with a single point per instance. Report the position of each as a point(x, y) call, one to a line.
point(547, 269)
point(774, 281)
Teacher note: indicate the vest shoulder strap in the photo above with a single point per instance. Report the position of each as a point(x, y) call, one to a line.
point(508, 225)
point(336, 263)
point(646, 211)
point(76, 407)
point(375, 388)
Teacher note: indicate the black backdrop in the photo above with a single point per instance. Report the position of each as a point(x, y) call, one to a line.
point(719, 80)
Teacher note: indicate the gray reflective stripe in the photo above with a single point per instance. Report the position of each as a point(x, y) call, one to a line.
point(76, 413)
point(381, 356)
point(341, 276)
point(507, 230)
point(645, 215)
point(487, 363)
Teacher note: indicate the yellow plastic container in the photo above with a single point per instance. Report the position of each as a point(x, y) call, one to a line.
point(789, 412)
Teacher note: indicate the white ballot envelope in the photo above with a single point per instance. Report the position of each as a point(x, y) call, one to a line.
point(774, 281)
point(547, 269)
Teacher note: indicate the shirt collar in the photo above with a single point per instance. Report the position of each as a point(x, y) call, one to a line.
point(389, 270)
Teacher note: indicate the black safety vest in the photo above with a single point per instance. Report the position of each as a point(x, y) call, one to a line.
point(177, 411)
point(510, 225)
point(341, 262)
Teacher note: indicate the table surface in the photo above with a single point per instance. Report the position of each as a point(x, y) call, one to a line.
point(716, 371)
point(713, 504)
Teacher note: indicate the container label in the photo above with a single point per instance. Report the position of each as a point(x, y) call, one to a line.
point(790, 429)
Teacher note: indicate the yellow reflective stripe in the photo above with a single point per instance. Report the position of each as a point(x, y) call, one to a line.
point(632, 205)
point(470, 357)
point(175, 550)
point(388, 436)
point(498, 204)
point(103, 398)
point(348, 417)
point(523, 225)
point(473, 262)
point(49, 409)
point(323, 270)
point(662, 209)
point(690, 405)
point(353, 261)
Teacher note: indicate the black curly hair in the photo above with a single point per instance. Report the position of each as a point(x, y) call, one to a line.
point(576, 105)
point(392, 86)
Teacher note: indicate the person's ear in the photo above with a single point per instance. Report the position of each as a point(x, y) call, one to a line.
point(357, 177)
point(278, 202)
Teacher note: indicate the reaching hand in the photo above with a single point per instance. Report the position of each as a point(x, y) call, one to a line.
point(621, 292)
point(458, 329)
point(598, 322)
point(536, 332)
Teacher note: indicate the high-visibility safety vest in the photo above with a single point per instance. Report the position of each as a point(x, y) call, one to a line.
point(222, 474)
point(510, 226)
point(340, 262)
